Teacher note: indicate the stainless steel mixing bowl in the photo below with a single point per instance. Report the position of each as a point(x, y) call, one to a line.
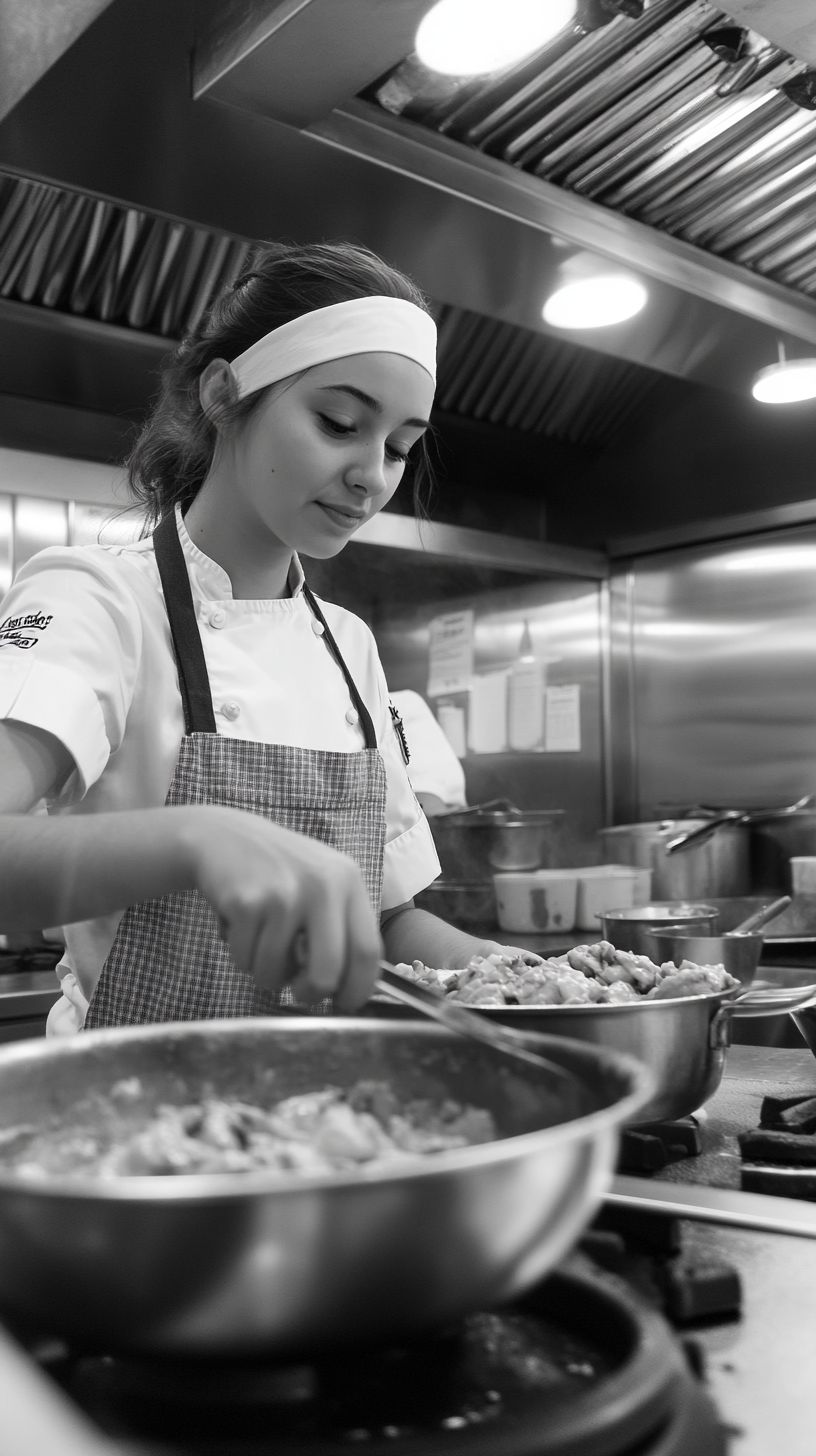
point(738, 953)
point(242, 1263)
point(682, 1042)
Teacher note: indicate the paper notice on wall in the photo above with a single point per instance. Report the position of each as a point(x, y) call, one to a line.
point(450, 655)
point(451, 720)
point(563, 719)
point(487, 725)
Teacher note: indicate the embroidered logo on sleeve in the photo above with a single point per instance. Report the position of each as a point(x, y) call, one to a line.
point(18, 631)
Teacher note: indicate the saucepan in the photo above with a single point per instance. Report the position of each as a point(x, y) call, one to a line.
point(238, 1264)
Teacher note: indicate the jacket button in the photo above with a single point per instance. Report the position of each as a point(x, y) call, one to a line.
point(231, 711)
point(217, 619)
point(317, 627)
point(352, 716)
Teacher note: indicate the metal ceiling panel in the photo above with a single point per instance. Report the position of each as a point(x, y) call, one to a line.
point(527, 381)
point(645, 117)
point(93, 260)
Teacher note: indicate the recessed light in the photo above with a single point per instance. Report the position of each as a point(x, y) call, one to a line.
point(595, 303)
point(475, 37)
point(788, 382)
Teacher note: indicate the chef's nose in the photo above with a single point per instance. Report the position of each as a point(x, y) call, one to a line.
point(368, 474)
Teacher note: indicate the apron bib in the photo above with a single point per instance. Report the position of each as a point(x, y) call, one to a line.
point(168, 961)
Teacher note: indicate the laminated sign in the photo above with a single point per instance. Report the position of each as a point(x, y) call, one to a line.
point(450, 657)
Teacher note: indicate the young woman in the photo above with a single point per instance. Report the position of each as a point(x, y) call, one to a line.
point(196, 671)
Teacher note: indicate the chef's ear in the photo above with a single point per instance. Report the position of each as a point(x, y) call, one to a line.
point(217, 390)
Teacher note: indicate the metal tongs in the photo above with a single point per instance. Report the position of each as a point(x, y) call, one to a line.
point(469, 1024)
point(693, 837)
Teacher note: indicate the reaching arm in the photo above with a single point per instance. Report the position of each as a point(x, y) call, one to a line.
point(290, 908)
point(410, 934)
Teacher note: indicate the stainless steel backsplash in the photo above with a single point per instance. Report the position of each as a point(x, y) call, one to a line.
point(713, 675)
point(564, 619)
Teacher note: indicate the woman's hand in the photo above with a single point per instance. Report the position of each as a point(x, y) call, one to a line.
point(292, 910)
point(493, 947)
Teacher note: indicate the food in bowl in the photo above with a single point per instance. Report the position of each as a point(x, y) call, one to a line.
point(589, 973)
point(313, 1133)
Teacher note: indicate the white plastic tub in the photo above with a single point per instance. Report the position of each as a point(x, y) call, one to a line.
point(609, 887)
point(542, 900)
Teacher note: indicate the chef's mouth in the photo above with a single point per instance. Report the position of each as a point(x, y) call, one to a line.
point(349, 520)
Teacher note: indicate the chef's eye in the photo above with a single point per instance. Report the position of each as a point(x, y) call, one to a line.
point(335, 427)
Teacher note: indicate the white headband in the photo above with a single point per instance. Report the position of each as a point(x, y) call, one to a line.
point(360, 326)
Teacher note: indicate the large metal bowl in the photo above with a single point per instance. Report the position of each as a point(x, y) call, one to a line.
point(682, 1042)
point(242, 1263)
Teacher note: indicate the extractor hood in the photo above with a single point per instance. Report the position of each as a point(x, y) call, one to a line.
point(620, 140)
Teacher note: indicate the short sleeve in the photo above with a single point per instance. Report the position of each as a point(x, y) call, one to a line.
point(70, 647)
point(410, 861)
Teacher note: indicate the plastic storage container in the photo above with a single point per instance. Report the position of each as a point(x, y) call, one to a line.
point(609, 887)
point(542, 900)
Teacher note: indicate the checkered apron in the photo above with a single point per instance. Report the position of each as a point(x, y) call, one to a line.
point(168, 961)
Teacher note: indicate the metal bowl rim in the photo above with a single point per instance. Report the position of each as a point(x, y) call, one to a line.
point(633, 914)
point(611, 1007)
point(221, 1187)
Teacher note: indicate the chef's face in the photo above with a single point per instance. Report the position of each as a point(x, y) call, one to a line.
point(325, 451)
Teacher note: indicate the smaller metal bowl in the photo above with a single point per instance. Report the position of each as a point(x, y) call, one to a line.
point(738, 953)
point(632, 929)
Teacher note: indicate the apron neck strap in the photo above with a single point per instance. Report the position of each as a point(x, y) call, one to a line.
point(194, 682)
point(365, 717)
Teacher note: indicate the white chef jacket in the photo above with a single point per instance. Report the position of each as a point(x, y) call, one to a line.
point(86, 654)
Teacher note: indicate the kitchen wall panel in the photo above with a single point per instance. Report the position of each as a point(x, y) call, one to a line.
point(714, 675)
point(564, 620)
point(38, 523)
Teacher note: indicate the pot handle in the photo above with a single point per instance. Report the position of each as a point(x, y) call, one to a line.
point(693, 837)
point(758, 1003)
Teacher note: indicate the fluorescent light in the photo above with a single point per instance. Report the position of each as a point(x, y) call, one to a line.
point(474, 37)
point(788, 382)
point(595, 303)
point(774, 559)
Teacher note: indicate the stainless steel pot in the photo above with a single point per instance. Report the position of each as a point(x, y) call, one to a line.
point(720, 866)
point(632, 929)
point(473, 844)
point(235, 1264)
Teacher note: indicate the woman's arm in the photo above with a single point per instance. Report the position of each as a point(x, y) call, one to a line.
point(291, 909)
point(410, 934)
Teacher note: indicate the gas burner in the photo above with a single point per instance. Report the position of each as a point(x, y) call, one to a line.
point(580, 1367)
point(779, 1157)
point(647, 1149)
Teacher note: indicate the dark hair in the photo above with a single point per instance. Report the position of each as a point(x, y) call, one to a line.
point(174, 452)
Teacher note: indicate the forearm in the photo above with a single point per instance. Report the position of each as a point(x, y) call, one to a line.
point(57, 870)
point(415, 935)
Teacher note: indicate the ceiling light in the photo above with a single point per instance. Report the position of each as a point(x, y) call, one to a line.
point(473, 37)
point(595, 303)
point(788, 382)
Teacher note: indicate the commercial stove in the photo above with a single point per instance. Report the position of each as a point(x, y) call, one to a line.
point(682, 1326)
